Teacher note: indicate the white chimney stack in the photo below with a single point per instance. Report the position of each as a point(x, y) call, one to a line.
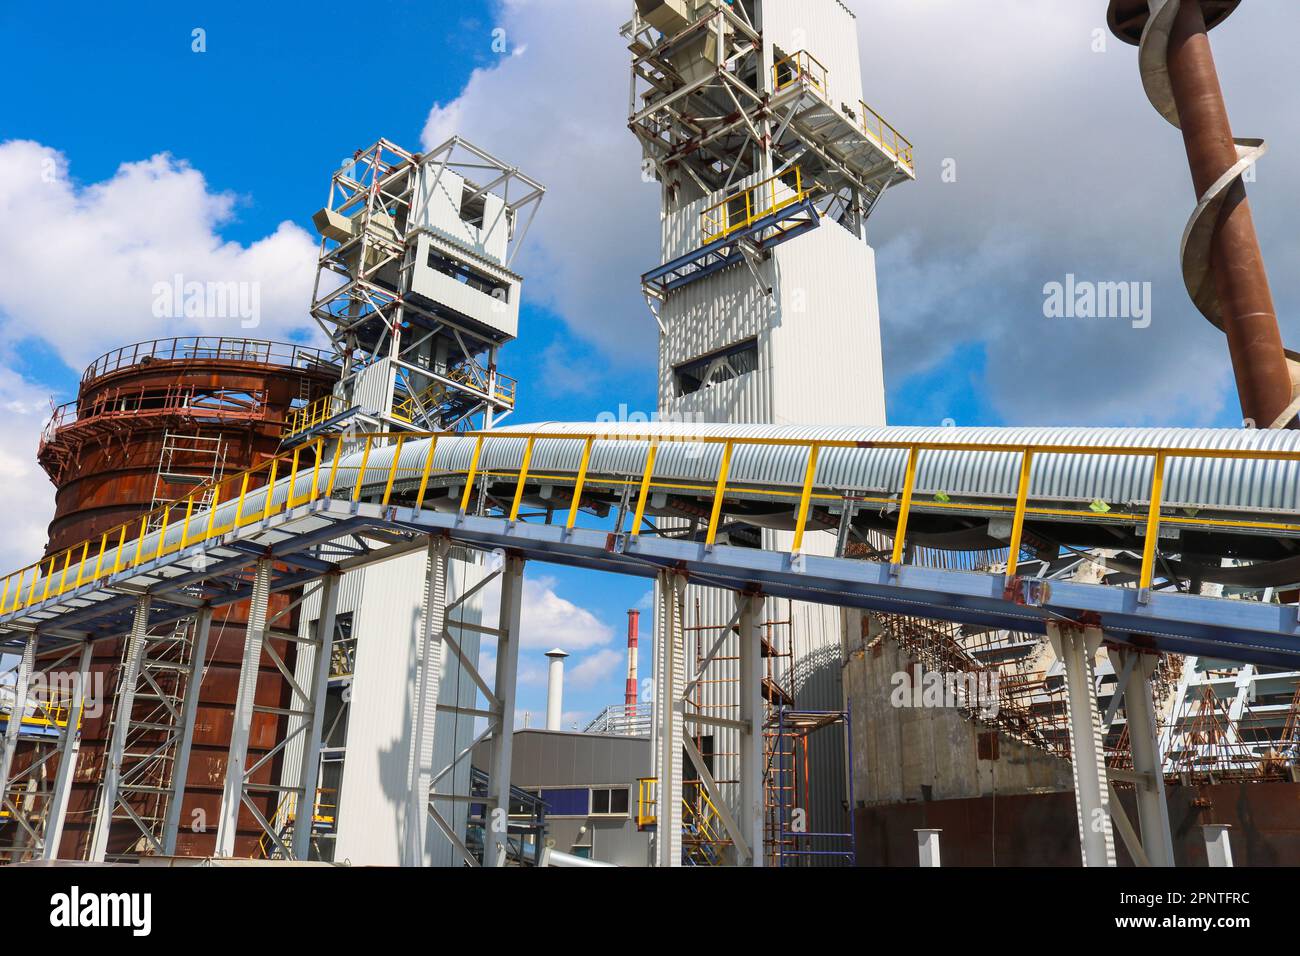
point(555, 689)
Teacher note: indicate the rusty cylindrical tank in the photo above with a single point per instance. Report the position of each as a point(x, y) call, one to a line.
point(103, 453)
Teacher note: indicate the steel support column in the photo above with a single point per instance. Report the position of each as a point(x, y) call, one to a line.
point(496, 825)
point(57, 812)
point(25, 665)
point(750, 815)
point(428, 682)
point(123, 705)
point(1139, 709)
point(1076, 648)
point(309, 769)
point(232, 796)
point(670, 684)
point(185, 738)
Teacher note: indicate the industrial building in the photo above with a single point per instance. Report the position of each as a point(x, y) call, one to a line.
point(278, 557)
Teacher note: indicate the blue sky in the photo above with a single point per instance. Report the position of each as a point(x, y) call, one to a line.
point(218, 159)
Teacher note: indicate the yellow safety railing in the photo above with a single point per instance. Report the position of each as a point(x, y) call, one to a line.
point(700, 816)
point(307, 417)
point(788, 70)
point(285, 814)
point(745, 207)
point(647, 800)
point(123, 547)
point(886, 136)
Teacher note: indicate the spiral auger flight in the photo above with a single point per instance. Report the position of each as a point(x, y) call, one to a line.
point(1222, 266)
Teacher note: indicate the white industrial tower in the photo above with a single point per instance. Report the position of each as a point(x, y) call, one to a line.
point(751, 116)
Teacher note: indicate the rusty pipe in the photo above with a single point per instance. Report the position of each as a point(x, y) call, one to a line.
point(1259, 361)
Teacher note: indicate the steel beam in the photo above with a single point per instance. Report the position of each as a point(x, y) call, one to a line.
point(232, 796)
point(185, 733)
point(428, 683)
point(309, 769)
point(750, 816)
point(670, 684)
point(1076, 648)
point(26, 663)
point(497, 808)
point(1139, 709)
point(57, 810)
point(123, 705)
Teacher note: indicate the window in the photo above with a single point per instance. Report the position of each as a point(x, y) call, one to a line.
point(567, 802)
point(609, 801)
point(716, 368)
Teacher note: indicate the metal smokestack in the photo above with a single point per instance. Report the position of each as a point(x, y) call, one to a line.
point(630, 694)
point(555, 688)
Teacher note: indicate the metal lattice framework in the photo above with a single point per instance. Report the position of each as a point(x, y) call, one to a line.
point(442, 366)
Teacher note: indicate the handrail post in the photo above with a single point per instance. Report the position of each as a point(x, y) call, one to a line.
point(576, 503)
point(650, 454)
point(905, 508)
point(718, 493)
point(1153, 524)
point(805, 498)
point(1018, 522)
point(523, 477)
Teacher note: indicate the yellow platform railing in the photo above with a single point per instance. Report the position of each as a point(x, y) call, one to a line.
point(886, 136)
point(788, 70)
point(123, 547)
point(747, 206)
point(307, 417)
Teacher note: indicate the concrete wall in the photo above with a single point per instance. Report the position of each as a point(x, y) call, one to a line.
point(903, 754)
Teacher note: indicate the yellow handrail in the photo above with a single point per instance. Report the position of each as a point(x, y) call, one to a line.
point(90, 561)
point(747, 206)
point(886, 136)
point(788, 70)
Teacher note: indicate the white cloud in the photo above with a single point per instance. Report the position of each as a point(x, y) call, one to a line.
point(548, 620)
point(595, 668)
point(79, 263)
point(29, 496)
point(557, 107)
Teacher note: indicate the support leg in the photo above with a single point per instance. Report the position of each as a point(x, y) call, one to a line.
point(1153, 810)
point(750, 816)
point(185, 740)
point(123, 705)
point(232, 796)
point(58, 811)
point(428, 681)
point(495, 832)
point(309, 772)
point(670, 683)
point(25, 665)
point(1075, 648)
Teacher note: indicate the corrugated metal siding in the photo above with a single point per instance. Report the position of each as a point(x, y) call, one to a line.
point(827, 30)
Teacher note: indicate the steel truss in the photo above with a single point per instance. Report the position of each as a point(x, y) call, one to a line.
point(442, 366)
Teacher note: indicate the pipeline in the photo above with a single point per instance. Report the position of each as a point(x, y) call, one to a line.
point(1222, 266)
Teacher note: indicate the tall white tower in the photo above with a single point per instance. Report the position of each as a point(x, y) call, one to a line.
point(752, 117)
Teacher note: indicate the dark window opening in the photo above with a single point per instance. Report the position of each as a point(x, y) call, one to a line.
point(716, 368)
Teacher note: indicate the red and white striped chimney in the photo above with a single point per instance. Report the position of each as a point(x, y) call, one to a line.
point(630, 693)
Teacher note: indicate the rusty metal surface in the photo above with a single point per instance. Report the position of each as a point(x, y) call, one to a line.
point(104, 464)
point(1042, 829)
